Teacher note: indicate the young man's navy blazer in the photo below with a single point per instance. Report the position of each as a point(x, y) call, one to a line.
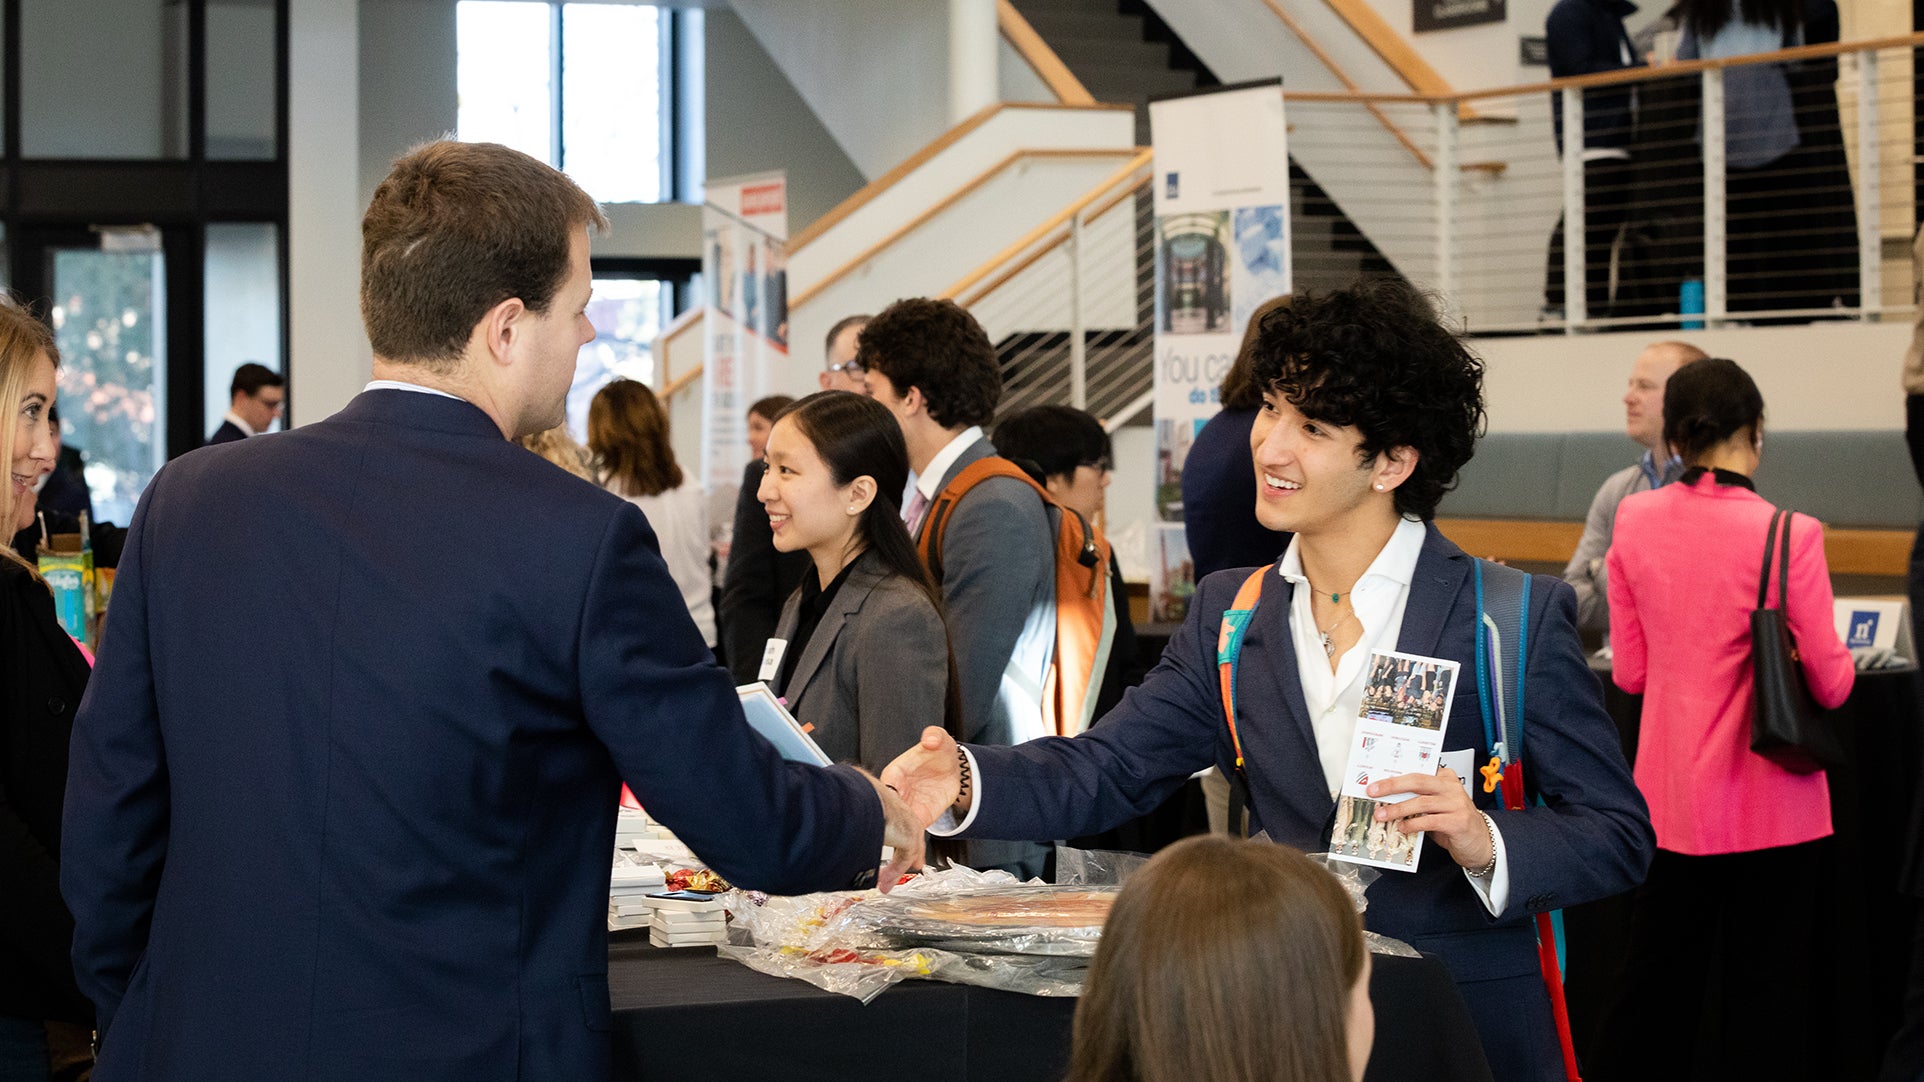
point(1591, 840)
point(344, 783)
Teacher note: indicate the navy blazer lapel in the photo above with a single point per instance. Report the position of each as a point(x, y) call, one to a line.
point(1440, 570)
point(1269, 682)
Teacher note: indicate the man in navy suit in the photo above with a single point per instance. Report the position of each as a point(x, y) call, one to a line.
point(365, 832)
point(256, 396)
point(1370, 409)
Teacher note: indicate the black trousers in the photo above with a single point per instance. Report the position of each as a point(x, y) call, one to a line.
point(1732, 929)
point(1606, 204)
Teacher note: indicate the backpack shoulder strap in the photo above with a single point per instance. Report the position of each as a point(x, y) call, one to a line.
point(1229, 644)
point(1502, 645)
point(929, 545)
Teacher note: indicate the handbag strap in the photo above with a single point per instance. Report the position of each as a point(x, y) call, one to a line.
point(1770, 548)
point(1783, 564)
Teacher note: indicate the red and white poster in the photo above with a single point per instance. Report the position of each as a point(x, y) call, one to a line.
point(745, 270)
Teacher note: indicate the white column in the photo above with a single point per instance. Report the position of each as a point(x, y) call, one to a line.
point(973, 85)
point(1870, 202)
point(329, 359)
point(1716, 285)
point(1446, 173)
point(1576, 286)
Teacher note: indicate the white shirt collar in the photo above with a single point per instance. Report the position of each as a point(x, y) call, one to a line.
point(401, 385)
point(236, 420)
point(1395, 563)
point(929, 481)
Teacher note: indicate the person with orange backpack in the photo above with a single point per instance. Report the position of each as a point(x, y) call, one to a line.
point(1371, 406)
point(1024, 580)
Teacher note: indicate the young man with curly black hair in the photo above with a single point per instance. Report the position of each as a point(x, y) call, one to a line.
point(1371, 406)
point(933, 366)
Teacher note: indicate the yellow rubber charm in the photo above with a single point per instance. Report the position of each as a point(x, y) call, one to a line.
point(1492, 772)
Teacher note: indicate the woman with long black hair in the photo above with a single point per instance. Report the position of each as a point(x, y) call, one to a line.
point(860, 653)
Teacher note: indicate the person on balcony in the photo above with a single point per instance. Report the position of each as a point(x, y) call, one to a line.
point(1585, 37)
point(1791, 223)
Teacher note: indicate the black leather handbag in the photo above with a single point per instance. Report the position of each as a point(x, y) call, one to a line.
point(1787, 726)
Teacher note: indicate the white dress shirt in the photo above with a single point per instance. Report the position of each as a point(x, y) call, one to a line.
point(929, 481)
point(1334, 699)
point(400, 385)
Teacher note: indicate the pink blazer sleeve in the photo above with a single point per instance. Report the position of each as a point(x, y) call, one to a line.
point(1629, 651)
point(1810, 612)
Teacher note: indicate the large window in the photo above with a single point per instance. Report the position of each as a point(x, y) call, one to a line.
point(583, 87)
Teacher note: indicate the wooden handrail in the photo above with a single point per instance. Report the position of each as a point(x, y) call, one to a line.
point(682, 382)
point(1329, 62)
point(1141, 160)
point(1061, 238)
point(917, 222)
point(917, 160)
point(1618, 78)
point(1036, 53)
point(1846, 551)
point(679, 326)
point(1389, 46)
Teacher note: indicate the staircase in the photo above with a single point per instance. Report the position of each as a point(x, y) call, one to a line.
point(1123, 52)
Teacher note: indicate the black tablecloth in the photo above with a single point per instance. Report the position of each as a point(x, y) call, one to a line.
point(687, 1013)
point(1863, 928)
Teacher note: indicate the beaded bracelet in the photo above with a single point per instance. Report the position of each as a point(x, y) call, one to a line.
point(962, 760)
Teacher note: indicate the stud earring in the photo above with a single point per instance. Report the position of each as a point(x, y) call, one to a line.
point(1379, 488)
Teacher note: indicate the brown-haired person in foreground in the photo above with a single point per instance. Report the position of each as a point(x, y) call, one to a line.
point(628, 436)
point(1232, 961)
point(363, 833)
point(43, 1016)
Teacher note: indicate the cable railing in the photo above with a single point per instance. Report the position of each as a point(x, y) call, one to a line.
point(1071, 305)
point(1773, 188)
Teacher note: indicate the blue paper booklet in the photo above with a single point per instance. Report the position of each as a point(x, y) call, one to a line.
point(771, 719)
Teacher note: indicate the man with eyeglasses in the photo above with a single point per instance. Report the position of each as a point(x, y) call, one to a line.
point(843, 372)
point(258, 393)
point(759, 579)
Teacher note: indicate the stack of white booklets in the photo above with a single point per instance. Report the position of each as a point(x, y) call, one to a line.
point(629, 887)
point(687, 922)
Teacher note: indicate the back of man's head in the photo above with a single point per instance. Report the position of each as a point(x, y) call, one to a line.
point(251, 377)
point(1054, 439)
point(455, 229)
point(938, 347)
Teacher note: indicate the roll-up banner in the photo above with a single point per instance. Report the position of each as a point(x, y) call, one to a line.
point(1222, 248)
point(744, 268)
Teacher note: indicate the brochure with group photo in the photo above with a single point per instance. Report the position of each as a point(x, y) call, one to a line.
point(1399, 730)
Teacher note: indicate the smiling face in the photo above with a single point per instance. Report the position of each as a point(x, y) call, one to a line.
point(806, 508)
point(34, 447)
point(1309, 476)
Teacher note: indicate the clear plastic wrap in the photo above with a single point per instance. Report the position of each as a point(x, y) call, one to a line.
point(858, 943)
point(1096, 867)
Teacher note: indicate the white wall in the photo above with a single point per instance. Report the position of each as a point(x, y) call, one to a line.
point(756, 122)
point(874, 71)
point(330, 360)
point(1821, 376)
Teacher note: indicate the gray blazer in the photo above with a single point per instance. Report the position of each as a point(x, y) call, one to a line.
point(876, 670)
point(999, 592)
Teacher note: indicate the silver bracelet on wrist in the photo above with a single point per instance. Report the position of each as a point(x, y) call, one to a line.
point(1489, 869)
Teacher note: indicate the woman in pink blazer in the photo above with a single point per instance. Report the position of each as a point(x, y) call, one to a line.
point(1730, 895)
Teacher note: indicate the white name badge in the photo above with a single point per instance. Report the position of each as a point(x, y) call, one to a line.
point(772, 659)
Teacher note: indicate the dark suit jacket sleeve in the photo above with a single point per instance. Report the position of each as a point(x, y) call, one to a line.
point(751, 593)
point(997, 558)
point(1126, 765)
point(114, 832)
point(901, 673)
point(1592, 837)
point(671, 719)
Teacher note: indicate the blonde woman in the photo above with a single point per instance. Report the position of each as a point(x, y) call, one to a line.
point(43, 1016)
point(628, 436)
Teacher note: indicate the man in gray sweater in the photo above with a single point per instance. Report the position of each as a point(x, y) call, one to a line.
point(1643, 421)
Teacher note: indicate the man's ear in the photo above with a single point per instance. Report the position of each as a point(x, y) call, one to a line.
point(1393, 467)
point(914, 401)
point(500, 329)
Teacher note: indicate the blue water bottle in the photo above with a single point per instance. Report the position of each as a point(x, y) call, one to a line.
point(1690, 302)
